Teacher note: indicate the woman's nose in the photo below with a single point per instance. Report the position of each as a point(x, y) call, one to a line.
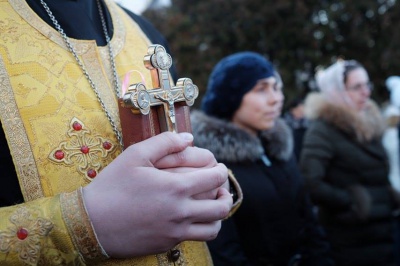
point(275, 96)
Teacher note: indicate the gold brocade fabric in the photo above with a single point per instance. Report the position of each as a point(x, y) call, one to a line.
point(34, 234)
point(58, 134)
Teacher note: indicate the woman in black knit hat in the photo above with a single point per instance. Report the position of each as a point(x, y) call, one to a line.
point(239, 123)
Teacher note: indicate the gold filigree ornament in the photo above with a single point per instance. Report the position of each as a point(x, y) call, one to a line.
point(24, 235)
point(82, 150)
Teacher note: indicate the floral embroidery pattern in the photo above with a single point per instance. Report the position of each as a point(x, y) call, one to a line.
point(84, 151)
point(24, 236)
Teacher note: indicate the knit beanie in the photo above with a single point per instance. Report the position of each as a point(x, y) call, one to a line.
point(231, 79)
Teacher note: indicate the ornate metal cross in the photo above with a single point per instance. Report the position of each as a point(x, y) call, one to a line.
point(138, 97)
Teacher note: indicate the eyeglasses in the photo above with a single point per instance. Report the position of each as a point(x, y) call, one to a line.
point(359, 86)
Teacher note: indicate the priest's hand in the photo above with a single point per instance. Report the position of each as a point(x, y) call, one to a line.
point(156, 194)
point(189, 160)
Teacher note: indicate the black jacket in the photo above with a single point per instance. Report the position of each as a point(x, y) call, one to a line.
point(346, 170)
point(275, 223)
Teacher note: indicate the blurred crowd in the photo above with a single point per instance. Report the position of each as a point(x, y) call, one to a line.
point(320, 180)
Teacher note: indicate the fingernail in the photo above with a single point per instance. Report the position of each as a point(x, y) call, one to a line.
point(186, 136)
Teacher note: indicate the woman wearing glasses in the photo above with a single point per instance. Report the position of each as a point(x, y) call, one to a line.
point(346, 168)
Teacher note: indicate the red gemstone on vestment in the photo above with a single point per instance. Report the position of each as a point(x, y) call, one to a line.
point(91, 173)
point(22, 233)
point(59, 155)
point(85, 149)
point(77, 126)
point(107, 145)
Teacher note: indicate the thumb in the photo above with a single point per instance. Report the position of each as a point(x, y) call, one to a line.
point(159, 146)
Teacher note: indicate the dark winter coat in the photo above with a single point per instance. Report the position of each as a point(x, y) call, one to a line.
point(275, 223)
point(346, 171)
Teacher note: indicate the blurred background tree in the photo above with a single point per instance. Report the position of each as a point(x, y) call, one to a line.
point(298, 36)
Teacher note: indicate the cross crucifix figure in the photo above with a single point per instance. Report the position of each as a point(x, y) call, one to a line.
point(139, 98)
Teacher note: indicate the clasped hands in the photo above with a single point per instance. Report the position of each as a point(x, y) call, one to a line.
point(156, 194)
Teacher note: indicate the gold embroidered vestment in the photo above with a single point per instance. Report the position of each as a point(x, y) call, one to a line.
point(60, 138)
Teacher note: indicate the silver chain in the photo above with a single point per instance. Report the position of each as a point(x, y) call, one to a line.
point(85, 72)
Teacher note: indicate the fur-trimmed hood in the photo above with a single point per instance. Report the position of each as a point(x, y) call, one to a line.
point(363, 126)
point(230, 143)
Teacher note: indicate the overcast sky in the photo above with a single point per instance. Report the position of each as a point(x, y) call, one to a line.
point(138, 6)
